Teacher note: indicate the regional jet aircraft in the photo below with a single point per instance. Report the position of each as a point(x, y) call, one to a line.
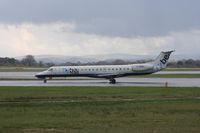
point(109, 72)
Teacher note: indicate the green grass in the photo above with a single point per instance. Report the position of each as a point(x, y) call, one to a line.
point(21, 69)
point(170, 76)
point(182, 69)
point(99, 109)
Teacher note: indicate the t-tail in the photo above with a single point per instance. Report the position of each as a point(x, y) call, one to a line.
point(161, 61)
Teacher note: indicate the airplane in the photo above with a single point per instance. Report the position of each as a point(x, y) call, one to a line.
point(109, 72)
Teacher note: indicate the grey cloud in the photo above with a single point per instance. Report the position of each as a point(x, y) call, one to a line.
point(36, 39)
point(108, 17)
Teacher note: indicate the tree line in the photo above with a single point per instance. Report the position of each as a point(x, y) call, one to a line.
point(29, 61)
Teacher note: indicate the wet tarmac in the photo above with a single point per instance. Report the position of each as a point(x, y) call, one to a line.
point(31, 75)
point(171, 82)
point(84, 81)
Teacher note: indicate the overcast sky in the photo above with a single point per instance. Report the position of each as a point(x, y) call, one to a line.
point(87, 27)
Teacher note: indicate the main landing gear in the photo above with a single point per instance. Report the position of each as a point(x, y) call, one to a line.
point(112, 81)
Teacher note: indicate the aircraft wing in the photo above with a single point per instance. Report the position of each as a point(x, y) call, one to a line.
point(109, 75)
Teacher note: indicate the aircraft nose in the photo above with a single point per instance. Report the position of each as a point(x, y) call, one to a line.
point(39, 75)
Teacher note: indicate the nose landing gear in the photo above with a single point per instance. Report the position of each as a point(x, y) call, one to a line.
point(45, 80)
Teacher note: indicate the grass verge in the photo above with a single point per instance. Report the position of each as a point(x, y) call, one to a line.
point(182, 69)
point(170, 76)
point(22, 69)
point(99, 109)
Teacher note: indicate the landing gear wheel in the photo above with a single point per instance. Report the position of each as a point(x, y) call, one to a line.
point(45, 81)
point(112, 81)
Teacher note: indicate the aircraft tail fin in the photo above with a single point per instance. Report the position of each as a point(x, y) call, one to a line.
point(162, 60)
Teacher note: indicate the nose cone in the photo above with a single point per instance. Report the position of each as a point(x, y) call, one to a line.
point(39, 75)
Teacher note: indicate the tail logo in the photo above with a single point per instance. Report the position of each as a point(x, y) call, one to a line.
point(165, 59)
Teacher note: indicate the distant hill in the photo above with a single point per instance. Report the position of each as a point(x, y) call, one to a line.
point(58, 59)
point(127, 57)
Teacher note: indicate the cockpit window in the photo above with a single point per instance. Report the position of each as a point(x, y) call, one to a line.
point(50, 69)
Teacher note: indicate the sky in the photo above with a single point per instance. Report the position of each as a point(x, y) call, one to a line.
point(93, 27)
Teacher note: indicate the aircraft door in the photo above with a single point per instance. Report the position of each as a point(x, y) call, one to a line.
point(66, 71)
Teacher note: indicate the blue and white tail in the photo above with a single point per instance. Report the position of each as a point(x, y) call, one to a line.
point(161, 61)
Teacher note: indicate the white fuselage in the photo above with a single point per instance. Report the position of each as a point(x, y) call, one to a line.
point(108, 71)
point(101, 71)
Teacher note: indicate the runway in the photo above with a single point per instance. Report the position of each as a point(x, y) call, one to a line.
point(157, 82)
point(31, 75)
point(84, 81)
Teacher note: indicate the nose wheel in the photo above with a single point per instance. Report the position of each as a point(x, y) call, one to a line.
point(45, 81)
point(112, 81)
